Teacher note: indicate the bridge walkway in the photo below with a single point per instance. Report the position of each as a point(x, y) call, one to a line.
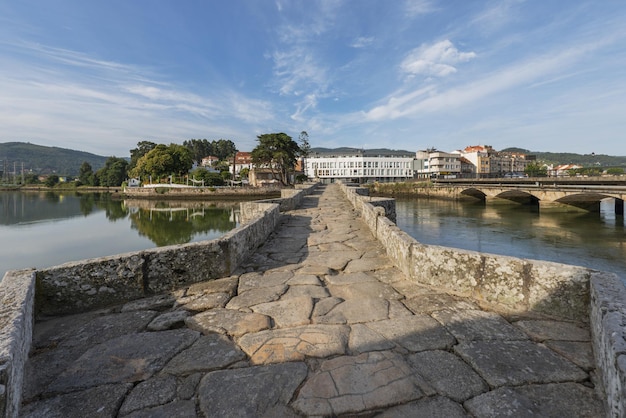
point(318, 322)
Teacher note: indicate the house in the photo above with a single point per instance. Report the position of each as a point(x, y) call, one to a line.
point(242, 160)
point(562, 170)
point(262, 177)
point(209, 161)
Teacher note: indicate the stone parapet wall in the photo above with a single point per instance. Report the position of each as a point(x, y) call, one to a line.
point(90, 284)
point(99, 282)
point(519, 285)
point(17, 290)
point(608, 330)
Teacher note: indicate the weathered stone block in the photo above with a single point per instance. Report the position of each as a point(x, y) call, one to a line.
point(90, 284)
point(17, 290)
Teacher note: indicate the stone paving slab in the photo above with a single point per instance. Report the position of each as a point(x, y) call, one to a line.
point(353, 384)
point(553, 400)
point(129, 358)
point(448, 375)
point(518, 362)
point(101, 401)
point(295, 344)
point(316, 323)
point(268, 389)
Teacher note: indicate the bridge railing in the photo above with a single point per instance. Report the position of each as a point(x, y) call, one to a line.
point(519, 285)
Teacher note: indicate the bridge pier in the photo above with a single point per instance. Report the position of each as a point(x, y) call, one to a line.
point(619, 207)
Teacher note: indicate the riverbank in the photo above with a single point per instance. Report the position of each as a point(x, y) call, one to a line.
point(162, 191)
point(166, 191)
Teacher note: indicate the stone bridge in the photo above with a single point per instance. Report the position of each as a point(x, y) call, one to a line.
point(548, 196)
point(324, 308)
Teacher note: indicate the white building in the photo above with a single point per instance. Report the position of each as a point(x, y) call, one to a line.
point(360, 166)
point(433, 163)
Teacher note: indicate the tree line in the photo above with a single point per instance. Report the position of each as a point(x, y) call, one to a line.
point(277, 152)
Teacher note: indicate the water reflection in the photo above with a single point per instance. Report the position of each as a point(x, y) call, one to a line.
point(594, 240)
point(168, 223)
point(40, 229)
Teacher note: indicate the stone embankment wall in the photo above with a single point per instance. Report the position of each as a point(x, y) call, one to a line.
point(166, 191)
point(517, 285)
point(90, 284)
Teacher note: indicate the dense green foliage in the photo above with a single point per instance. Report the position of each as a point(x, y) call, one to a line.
point(200, 148)
point(278, 152)
point(210, 178)
point(113, 174)
point(163, 161)
point(536, 170)
point(41, 160)
point(86, 175)
point(143, 147)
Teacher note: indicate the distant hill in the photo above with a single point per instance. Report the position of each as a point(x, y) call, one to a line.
point(585, 160)
point(39, 159)
point(348, 149)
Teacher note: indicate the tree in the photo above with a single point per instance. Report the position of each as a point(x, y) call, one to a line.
point(615, 171)
point(210, 179)
point(114, 172)
point(305, 149)
point(164, 160)
point(143, 147)
point(224, 148)
point(85, 174)
point(535, 170)
point(199, 149)
point(51, 180)
point(278, 152)
point(31, 178)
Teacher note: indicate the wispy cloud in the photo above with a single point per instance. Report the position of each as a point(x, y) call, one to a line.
point(65, 94)
point(419, 7)
point(437, 60)
point(533, 70)
point(496, 15)
point(362, 42)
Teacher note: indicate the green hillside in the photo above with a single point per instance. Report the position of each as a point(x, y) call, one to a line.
point(585, 160)
point(39, 159)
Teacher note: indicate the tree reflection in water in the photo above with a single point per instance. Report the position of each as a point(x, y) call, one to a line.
point(178, 225)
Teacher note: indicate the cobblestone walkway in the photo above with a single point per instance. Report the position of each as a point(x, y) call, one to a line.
point(317, 323)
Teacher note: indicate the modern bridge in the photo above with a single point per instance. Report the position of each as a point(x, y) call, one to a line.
point(548, 194)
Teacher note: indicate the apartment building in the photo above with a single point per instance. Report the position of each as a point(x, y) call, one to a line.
point(492, 163)
point(437, 164)
point(360, 166)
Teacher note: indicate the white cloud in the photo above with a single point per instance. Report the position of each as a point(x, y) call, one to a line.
point(436, 60)
point(403, 104)
point(106, 107)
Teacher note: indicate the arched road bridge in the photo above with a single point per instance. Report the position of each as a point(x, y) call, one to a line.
point(547, 194)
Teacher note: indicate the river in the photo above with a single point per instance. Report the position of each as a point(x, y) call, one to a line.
point(594, 240)
point(46, 229)
point(43, 229)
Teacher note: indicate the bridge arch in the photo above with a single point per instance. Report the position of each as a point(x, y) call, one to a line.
point(590, 201)
point(519, 196)
point(475, 193)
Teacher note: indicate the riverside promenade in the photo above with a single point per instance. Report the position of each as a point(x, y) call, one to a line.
point(317, 322)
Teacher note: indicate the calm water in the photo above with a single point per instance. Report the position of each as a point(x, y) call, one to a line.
point(595, 240)
point(46, 229)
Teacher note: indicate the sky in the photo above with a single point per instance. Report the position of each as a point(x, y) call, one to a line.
point(101, 76)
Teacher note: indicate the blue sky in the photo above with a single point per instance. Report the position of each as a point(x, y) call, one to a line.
point(100, 76)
